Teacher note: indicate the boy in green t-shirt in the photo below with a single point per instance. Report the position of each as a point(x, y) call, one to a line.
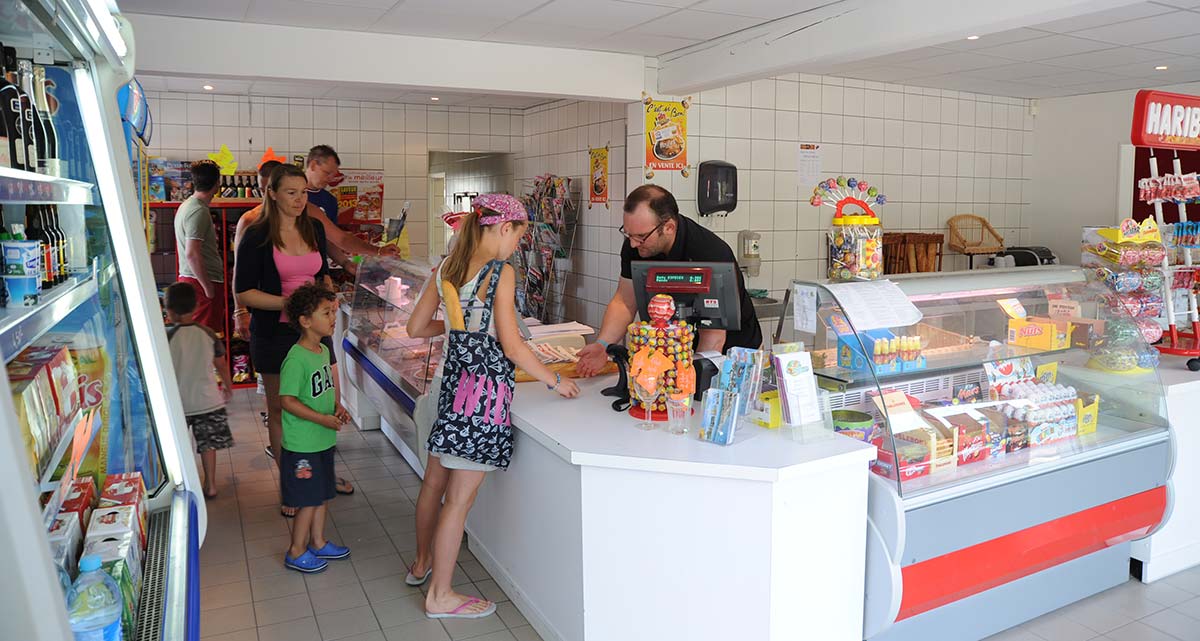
point(311, 420)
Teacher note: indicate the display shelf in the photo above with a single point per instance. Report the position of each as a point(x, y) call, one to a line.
point(20, 326)
point(46, 482)
point(216, 202)
point(17, 186)
point(843, 379)
point(54, 503)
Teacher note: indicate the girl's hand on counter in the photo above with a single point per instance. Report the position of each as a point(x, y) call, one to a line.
point(567, 388)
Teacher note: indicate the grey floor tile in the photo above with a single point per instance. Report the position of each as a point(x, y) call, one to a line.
point(265, 566)
point(298, 630)
point(219, 554)
point(264, 529)
point(1131, 598)
point(1096, 615)
point(1175, 623)
point(387, 588)
point(374, 635)
point(1166, 594)
point(400, 611)
point(225, 595)
point(371, 548)
point(380, 566)
point(1011, 634)
point(229, 619)
point(395, 510)
point(286, 608)
point(491, 591)
point(241, 635)
point(339, 572)
point(223, 573)
point(468, 628)
point(423, 630)
point(1138, 631)
point(527, 633)
point(513, 618)
point(474, 571)
point(1187, 580)
point(341, 597)
point(273, 587)
point(274, 546)
point(345, 623)
point(1191, 607)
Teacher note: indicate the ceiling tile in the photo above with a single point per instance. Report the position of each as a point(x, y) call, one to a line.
point(1016, 72)
point(1146, 69)
point(152, 83)
point(1100, 87)
point(286, 89)
point(696, 24)
point(883, 73)
point(467, 10)
point(674, 4)
point(301, 13)
point(548, 35)
point(1153, 29)
point(963, 61)
point(368, 4)
point(416, 22)
point(212, 9)
point(1106, 58)
point(598, 15)
point(629, 42)
point(357, 92)
point(1051, 46)
point(196, 85)
point(993, 39)
point(1073, 77)
point(1187, 45)
point(766, 9)
point(1101, 18)
point(1182, 4)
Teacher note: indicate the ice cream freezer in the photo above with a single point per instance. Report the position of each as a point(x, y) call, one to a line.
point(89, 393)
point(1021, 449)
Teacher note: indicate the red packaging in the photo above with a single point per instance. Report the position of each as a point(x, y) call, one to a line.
point(38, 376)
point(80, 498)
point(63, 378)
point(126, 489)
point(971, 437)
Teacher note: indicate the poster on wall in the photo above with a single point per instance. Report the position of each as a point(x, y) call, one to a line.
point(598, 173)
point(360, 196)
point(808, 165)
point(666, 135)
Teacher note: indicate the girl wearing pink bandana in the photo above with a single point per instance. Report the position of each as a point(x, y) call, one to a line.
point(476, 291)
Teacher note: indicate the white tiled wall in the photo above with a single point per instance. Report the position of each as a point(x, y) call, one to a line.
point(558, 136)
point(934, 153)
point(468, 172)
point(369, 135)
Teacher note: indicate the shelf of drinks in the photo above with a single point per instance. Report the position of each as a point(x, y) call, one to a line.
point(27, 187)
point(21, 326)
point(216, 203)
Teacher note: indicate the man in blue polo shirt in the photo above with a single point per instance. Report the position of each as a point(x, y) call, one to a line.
point(319, 168)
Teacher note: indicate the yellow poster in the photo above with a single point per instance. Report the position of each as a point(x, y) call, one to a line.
point(598, 176)
point(666, 134)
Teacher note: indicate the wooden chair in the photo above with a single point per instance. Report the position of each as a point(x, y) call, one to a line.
point(972, 236)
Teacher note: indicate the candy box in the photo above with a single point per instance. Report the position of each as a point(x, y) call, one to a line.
point(44, 423)
point(114, 521)
point(1087, 409)
point(62, 555)
point(64, 379)
point(120, 559)
point(971, 436)
point(997, 432)
point(66, 528)
point(79, 498)
point(32, 421)
point(1040, 333)
point(126, 489)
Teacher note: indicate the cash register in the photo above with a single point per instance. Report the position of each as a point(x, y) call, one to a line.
point(705, 294)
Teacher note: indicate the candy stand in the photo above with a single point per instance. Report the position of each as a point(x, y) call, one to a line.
point(1172, 121)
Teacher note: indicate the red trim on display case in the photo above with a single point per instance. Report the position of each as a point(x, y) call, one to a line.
point(951, 577)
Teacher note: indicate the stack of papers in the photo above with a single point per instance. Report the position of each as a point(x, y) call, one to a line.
point(560, 329)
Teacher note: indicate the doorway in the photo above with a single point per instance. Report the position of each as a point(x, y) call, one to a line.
point(455, 178)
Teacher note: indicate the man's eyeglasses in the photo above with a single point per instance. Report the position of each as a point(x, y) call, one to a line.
point(641, 238)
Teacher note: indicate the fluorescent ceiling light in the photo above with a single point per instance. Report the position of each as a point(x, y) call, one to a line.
point(208, 87)
point(108, 25)
point(1161, 68)
point(972, 37)
point(434, 98)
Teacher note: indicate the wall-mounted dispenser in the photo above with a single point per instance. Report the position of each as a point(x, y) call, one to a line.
point(749, 258)
point(716, 187)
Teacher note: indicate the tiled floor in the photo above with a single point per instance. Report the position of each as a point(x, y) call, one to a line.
point(247, 594)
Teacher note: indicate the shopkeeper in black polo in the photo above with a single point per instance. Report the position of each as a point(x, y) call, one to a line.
point(655, 230)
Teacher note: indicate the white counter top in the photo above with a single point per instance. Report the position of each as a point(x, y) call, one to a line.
point(586, 431)
point(1173, 372)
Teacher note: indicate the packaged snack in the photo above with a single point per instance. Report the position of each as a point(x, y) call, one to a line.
point(45, 425)
point(63, 557)
point(971, 436)
point(67, 528)
point(80, 498)
point(114, 521)
point(1039, 333)
point(126, 489)
point(31, 418)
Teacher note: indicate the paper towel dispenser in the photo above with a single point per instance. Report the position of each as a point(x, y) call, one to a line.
point(716, 187)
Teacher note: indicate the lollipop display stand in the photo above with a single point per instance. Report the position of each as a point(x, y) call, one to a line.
point(660, 362)
point(856, 237)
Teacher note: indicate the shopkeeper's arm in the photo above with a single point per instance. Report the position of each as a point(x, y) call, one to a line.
point(343, 244)
point(711, 340)
point(505, 311)
point(618, 315)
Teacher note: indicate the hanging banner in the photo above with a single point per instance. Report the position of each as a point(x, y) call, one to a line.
point(360, 196)
point(598, 172)
point(666, 134)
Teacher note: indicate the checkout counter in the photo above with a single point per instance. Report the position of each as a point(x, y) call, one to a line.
point(600, 531)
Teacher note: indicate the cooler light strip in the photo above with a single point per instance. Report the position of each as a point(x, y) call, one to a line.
point(123, 244)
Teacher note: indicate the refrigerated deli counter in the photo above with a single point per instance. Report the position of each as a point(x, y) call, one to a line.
point(1022, 447)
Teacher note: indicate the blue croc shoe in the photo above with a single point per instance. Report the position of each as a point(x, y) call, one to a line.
point(307, 562)
point(330, 551)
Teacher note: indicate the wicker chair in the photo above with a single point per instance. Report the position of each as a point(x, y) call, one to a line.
point(972, 236)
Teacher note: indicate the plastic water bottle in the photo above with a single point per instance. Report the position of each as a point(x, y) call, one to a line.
point(94, 603)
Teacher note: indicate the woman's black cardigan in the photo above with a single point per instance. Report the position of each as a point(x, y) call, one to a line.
point(256, 270)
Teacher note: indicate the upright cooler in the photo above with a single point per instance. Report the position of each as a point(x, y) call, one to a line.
point(113, 406)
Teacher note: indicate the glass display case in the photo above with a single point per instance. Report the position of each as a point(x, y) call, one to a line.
point(988, 374)
point(385, 292)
